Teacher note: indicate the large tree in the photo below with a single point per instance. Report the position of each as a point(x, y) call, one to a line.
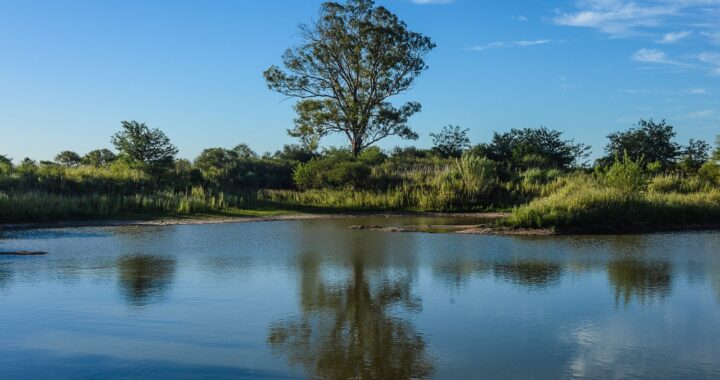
point(350, 62)
point(649, 141)
point(140, 144)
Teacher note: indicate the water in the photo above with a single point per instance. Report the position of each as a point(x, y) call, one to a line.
point(314, 299)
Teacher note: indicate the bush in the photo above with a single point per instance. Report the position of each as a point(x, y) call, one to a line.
point(331, 173)
point(627, 175)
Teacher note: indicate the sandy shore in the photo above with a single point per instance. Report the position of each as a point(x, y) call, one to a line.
point(194, 220)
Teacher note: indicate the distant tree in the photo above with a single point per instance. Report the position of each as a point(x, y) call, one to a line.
point(27, 165)
point(215, 160)
point(350, 62)
point(99, 157)
point(695, 154)
point(534, 148)
point(140, 144)
point(5, 164)
point(649, 141)
point(68, 158)
point(244, 151)
point(295, 152)
point(452, 141)
point(716, 152)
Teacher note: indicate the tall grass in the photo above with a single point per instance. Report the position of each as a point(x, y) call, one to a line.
point(586, 204)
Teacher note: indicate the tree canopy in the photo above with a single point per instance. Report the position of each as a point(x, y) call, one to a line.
point(649, 141)
point(99, 157)
point(68, 158)
point(534, 148)
point(350, 62)
point(452, 141)
point(140, 144)
point(695, 154)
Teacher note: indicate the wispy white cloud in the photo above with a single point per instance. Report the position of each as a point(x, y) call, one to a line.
point(697, 91)
point(520, 18)
point(672, 37)
point(653, 56)
point(505, 44)
point(711, 59)
point(628, 17)
point(616, 17)
point(700, 114)
point(713, 37)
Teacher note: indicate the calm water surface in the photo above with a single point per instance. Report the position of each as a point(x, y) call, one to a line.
point(314, 299)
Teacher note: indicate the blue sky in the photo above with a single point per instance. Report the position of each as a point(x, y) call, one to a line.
point(71, 71)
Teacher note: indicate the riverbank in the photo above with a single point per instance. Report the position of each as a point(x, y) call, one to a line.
point(238, 217)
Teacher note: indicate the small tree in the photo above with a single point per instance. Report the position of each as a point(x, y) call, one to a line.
point(649, 140)
point(68, 158)
point(141, 145)
point(627, 175)
point(716, 152)
point(452, 141)
point(350, 62)
point(99, 157)
point(694, 156)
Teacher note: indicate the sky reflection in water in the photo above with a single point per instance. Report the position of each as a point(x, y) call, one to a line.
point(315, 299)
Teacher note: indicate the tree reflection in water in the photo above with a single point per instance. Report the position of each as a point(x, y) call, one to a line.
point(642, 279)
point(531, 274)
point(144, 279)
point(6, 275)
point(346, 329)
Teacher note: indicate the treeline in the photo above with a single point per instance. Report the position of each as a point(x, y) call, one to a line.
point(143, 175)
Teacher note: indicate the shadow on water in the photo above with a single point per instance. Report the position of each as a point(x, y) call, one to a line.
point(144, 279)
point(6, 275)
point(645, 280)
point(351, 323)
point(530, 274)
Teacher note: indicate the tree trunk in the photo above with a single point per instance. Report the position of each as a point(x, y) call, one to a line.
point(356, 146)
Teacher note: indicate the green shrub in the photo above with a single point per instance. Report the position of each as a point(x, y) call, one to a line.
point(627, 175)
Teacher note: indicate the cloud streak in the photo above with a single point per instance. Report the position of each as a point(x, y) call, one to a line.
point(506, 44)
point(622, 18)
point(673, 37)
point(653, 56)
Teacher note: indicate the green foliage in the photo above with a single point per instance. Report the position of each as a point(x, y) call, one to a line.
point(678, 183)
point(710, 172)
point(452, 141)
point(332, 172)
point(649, 141)
point(68, 158)
point(695, 154)
point(351, 61)
point(533, 148)
point(244, 151)
point(6, 165)
point(627, 176)
point(143, 146)
point(587, 205)
point(99, 157)
point(716, 152)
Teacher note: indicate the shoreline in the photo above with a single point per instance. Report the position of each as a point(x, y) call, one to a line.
point(284, 215)
point(224, 219)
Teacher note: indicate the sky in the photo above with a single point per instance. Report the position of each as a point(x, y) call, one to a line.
point(71, 71)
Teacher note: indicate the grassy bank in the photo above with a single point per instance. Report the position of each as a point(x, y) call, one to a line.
point(588, 204)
